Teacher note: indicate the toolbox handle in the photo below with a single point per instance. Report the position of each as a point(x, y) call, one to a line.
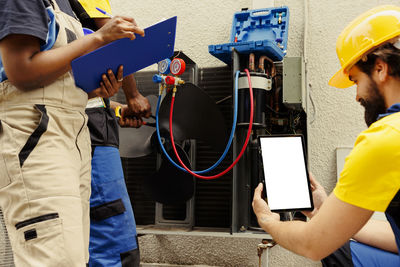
point(264, 13)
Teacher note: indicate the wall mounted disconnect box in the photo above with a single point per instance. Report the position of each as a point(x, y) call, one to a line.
point(294, 90)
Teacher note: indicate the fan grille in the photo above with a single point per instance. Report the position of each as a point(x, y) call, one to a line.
point(213, 198)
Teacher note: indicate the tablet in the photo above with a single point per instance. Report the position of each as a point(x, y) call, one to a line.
point(284, 168)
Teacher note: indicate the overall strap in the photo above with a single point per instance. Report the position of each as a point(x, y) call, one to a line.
point(54, 4)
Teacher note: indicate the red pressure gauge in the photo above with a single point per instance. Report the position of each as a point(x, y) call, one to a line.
point(178, 66)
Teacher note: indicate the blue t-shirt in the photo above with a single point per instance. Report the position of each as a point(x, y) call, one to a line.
point(393, 211)
point(32, 17)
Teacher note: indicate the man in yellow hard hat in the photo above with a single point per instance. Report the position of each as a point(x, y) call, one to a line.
point(369, 53)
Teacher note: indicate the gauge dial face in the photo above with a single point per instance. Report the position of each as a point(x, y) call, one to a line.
point(177, 66)
point(163, 66)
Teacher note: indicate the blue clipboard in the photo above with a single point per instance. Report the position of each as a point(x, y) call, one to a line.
point(157, 44)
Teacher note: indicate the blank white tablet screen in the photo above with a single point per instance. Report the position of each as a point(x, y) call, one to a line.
point(285, 173)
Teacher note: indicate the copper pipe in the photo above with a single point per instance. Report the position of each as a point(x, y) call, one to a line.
point(276, 95)
point(261, 62)
point(276, 98)
point(261, 65)
point(271, 99)
point(271, 63)
point(251, 62)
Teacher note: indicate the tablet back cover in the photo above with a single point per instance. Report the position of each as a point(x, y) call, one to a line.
point(157, 44)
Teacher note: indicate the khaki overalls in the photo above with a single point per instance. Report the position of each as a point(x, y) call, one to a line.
point(45, 167)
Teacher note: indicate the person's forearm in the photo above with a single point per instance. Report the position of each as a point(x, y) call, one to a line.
point(323, 234)
point(28, 68)
point(294, 236)
point(378, 234)
point(43, 68)
point(130, 88)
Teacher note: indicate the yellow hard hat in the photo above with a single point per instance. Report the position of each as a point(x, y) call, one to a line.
point(361, 36)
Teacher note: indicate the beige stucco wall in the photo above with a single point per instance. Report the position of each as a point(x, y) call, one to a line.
point(338, 117)
point(334, 120)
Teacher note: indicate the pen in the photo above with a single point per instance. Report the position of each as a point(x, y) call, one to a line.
point(104, 12)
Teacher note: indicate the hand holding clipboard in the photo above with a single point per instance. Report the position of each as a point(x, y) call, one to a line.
point(157, 44)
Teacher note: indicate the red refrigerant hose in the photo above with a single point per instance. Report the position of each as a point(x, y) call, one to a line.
point(171, 112)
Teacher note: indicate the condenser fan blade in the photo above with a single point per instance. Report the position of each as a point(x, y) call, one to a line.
point(196, 116)
point(136, 142)
point(170, 185)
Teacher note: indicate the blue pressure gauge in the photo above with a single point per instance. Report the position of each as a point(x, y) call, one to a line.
point(163, 66)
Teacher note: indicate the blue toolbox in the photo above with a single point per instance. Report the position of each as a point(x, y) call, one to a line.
point(260, 31)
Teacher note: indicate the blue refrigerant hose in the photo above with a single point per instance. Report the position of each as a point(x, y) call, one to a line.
point(228, 145)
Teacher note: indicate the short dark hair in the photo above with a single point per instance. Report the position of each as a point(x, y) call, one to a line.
point(387, 53)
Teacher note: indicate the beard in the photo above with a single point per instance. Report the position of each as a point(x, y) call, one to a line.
point(374, 104)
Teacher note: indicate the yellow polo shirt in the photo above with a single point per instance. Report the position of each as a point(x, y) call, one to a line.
point(371, 174)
